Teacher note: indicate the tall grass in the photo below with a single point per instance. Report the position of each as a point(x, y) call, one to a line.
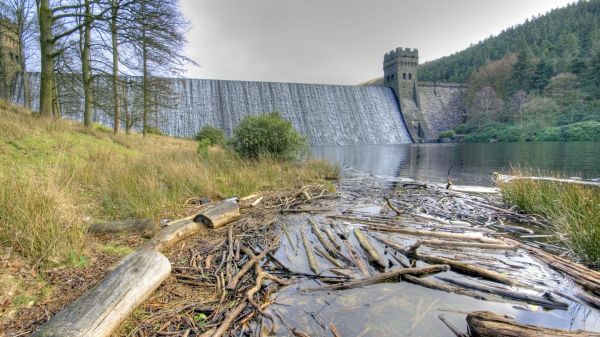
point(54, 173)
point(573, 209)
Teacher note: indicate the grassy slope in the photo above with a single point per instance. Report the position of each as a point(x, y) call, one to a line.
point(55, 176)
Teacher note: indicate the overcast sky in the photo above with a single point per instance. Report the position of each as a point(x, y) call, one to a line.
point(336, 41)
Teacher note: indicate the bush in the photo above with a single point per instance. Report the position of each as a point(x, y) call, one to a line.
point(202, 148)
point(154, 131)
point(267, 134)
point(214, 136)
point(447, 133)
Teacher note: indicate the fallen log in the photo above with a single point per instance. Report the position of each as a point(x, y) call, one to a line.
point(374, 255)
point(332, 238)
point(328, 257)
point(443, 287)
point(100, 310)
point(326, 243)
point(445, 244)
point(172, 234)
point(502, 178)
point(356, 260)
point(455, 265)
point(445, 235)
point(487, 324)
point(582, 275)
point(547, 302)
point(143, 227)
point(390, 276)
point(310, 255)
point(219, 214)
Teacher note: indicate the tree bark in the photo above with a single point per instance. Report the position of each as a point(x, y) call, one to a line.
point(487, 324)
point(99, 311)
point(115, 67)
point(219, 214)
point(86, 68)
point(46, 58)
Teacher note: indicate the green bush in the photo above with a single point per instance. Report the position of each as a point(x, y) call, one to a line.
point(215, 136)
point(202, 148)
point(583, 131)
point(447, 133)
point(267, 134)
point(154, 131)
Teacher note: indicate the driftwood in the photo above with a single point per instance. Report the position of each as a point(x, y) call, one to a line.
point(501, 178)
point(446, 244)
point(143, 227)
point(443, 287)
point(332, 238)
point(582, 275)
point(445, 235)
point(392, 207)
point(452, 328)
point(487, 324)
point(252, 260)
point(374, 255)
point(174, 233)
point(99, 311)
point(390, 276)
point(310, 255)
point(547, 302)
point(356, 260)
point(229, 319)
point(328, 257)
point(219, 214)
point(455, 265)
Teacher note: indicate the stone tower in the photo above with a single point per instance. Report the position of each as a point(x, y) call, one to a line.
point(9, 58)
point(400, 74)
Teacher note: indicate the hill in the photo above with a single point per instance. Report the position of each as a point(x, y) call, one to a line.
point(536, 81)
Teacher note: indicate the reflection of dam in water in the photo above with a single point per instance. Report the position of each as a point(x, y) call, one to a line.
point(472, 163)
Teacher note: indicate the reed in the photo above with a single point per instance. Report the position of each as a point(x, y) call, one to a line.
point(573, 209)
point(54, 174)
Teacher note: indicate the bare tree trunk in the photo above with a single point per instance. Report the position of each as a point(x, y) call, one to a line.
point(115, 60)
point(145, 77)
point(46, 58)
point(86, 67)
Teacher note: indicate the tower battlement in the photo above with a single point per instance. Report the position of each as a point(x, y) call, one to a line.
point(400, 73)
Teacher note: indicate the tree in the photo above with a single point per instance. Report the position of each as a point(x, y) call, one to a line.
point(158, 36)
point(21, 13)
point(541, 76)
point(518, 101)
point(522, 72)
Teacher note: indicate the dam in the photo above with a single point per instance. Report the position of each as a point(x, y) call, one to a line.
point(397, 110)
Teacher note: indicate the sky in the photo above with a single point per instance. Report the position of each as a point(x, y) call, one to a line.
point(336, 41)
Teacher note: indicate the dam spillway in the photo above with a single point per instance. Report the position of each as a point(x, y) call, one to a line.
point(326, 114)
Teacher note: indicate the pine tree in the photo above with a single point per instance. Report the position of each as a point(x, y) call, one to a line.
point(541, 76)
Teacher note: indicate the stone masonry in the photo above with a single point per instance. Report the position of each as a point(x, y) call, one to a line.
point(427, 108)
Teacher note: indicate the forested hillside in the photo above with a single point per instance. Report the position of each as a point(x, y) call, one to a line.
point(536, 81)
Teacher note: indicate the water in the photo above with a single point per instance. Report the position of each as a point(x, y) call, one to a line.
point(472, 163)
point(326, 114)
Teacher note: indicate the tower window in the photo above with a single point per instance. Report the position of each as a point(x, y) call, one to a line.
point(410, 76)
point(404, 76)
point(393, 76)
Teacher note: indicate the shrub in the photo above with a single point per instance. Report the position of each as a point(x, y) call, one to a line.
point(154, 131)
point(215, 136)
point(267, 134)
point(202, 148)
point(447, 133)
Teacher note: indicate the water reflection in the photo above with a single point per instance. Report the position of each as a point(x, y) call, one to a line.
point(472, 163)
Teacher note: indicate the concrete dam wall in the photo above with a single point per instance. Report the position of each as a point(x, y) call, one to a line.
point(326, 114)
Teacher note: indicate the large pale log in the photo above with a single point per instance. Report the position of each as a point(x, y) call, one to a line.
point(487, 324)
point(99, 311)
point(174, 233)
point(219, 214)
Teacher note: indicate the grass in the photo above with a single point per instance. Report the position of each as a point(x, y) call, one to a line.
point(54, 174)
point(573, 209)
